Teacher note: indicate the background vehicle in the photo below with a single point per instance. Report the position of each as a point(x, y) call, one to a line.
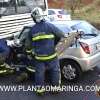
point(58, 15)
point(84, 53)
point(14, 7)
point(14, 14)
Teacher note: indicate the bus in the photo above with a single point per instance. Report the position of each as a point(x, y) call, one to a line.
point(14, 14)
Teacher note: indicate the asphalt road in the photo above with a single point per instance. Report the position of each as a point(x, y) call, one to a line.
point(88, 78)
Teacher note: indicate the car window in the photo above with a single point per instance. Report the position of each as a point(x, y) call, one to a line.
point(10, 8)
point(51, 12)
point(63, 12)
point(86, 27)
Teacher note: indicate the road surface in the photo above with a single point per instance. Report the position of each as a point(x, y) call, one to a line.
point(88, 78)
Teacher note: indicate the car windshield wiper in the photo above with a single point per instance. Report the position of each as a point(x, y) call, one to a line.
point(90, 35)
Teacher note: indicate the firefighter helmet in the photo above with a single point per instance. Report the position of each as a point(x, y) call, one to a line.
point(37, 14)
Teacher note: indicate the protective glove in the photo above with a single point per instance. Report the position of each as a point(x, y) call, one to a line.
point(17, 43)
point(14, 43)
point(75, 33)
point(10, 43)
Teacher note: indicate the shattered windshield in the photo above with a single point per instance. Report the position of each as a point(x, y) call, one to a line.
point(12, 7)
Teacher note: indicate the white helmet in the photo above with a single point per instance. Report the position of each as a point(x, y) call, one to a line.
point(37, 14)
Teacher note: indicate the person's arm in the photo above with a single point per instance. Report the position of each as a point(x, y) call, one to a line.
point(63, 40)
point(66, 42)
point(28, 41)
point(23, 36)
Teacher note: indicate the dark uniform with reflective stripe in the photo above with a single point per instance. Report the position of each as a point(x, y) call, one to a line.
point(26, 40)
point(43, 42)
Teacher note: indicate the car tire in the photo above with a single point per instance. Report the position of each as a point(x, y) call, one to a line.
point(70, 70)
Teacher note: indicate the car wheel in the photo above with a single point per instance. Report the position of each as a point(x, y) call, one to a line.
point(70, 70)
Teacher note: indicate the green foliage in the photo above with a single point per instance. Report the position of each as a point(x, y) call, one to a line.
point(97, 3)
point(90, 12)
point(73, 5)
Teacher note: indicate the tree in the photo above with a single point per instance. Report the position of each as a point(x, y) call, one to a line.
point(73, 4)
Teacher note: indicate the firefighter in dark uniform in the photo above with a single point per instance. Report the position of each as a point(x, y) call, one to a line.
point(25, 41)
point(43, 44)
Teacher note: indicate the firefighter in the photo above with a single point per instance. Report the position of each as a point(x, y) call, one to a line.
point(43, 44)
point(25, 41)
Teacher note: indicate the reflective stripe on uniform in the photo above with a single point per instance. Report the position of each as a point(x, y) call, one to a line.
point(3, 71)
point(46, 57)
point(3, 65)
point(42, 37)
point(29, 51)
point(30, 69)
point(40, 90)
